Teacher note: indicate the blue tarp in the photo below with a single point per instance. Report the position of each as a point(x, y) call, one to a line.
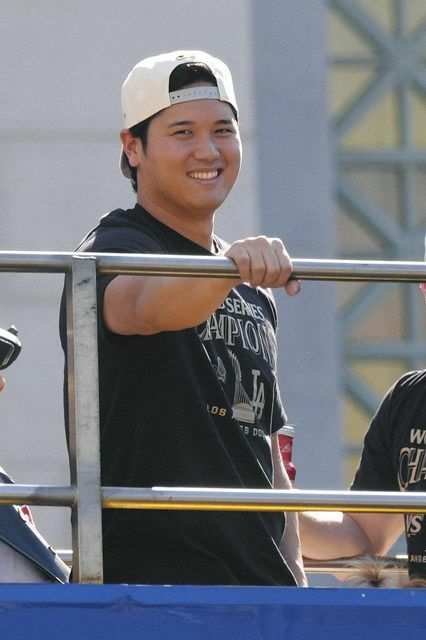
point(70, 612)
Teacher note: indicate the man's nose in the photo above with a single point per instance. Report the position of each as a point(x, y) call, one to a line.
point(206, 148)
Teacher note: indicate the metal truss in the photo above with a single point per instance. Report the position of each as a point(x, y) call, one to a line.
point(397, 62)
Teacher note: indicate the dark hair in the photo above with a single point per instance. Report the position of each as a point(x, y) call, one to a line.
point(182, 76)
point(139, 130)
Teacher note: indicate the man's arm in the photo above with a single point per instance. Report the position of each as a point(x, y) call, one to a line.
point(148, 305)
point(290, 543)
point(328, 535)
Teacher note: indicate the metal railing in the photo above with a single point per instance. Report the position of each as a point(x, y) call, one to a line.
point(85, 496)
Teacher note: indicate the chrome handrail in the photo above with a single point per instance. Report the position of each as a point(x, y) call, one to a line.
point(207, 499)
point(85, 496)
point(212, 266)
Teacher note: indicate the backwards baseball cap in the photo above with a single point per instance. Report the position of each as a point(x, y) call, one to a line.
point(145, 91)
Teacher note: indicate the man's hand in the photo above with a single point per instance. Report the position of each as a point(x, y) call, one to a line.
point(264, 262)
point(2, 383)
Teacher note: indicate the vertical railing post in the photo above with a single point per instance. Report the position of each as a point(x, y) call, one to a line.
point(83, 390)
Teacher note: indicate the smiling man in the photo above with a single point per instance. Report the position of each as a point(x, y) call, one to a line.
point(188, 386)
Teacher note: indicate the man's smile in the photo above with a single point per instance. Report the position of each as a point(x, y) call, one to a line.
point(204, 175)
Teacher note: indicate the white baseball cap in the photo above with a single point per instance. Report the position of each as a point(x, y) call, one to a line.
point(145, 91)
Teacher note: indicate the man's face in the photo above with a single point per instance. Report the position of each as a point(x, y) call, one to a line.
point(192, 159)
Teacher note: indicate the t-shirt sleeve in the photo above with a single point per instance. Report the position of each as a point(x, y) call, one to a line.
point(375, 471)
point(117, 240)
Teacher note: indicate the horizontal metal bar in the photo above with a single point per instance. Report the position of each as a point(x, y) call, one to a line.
point(359, 61)
point(167, 265)
point(304, 269)
point(359, 270)
point(387, 349)
point(42, 495)
point(214, 266)
point(389, 564)
point(204, 498)
point(37, 261)
point(381, 157)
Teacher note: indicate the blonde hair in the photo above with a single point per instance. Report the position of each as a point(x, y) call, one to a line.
point(382, 573)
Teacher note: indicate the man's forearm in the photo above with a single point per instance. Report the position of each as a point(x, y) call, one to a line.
point(331, 535)
point(290, 548)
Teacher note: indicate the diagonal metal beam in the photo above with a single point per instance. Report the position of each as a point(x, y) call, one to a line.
point(361, 393)
point(365, 25)
point(360, 305)
point(375, 89)
point(371, 217)
point(417, 38)
point(418, 76)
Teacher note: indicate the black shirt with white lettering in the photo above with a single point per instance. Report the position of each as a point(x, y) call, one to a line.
point(394, 456)
point(190, 408)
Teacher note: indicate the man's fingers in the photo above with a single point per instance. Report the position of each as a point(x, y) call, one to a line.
point(284, 261)
point(240, 256)
point(2, 383)
point(263, 262)
point(293, 287)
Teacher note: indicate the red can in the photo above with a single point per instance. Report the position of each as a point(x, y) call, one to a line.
point(285, 442)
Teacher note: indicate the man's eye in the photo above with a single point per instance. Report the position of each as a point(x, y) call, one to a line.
point(224, 130)
point(183, 132)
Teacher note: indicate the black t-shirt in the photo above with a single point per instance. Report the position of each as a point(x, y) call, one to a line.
point(188, 408)
point(394, 456)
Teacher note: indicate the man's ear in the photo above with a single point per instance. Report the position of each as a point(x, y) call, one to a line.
point(131, 147)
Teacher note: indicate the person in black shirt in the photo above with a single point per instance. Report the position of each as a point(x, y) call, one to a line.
point(393, 459)
point(188, 383)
